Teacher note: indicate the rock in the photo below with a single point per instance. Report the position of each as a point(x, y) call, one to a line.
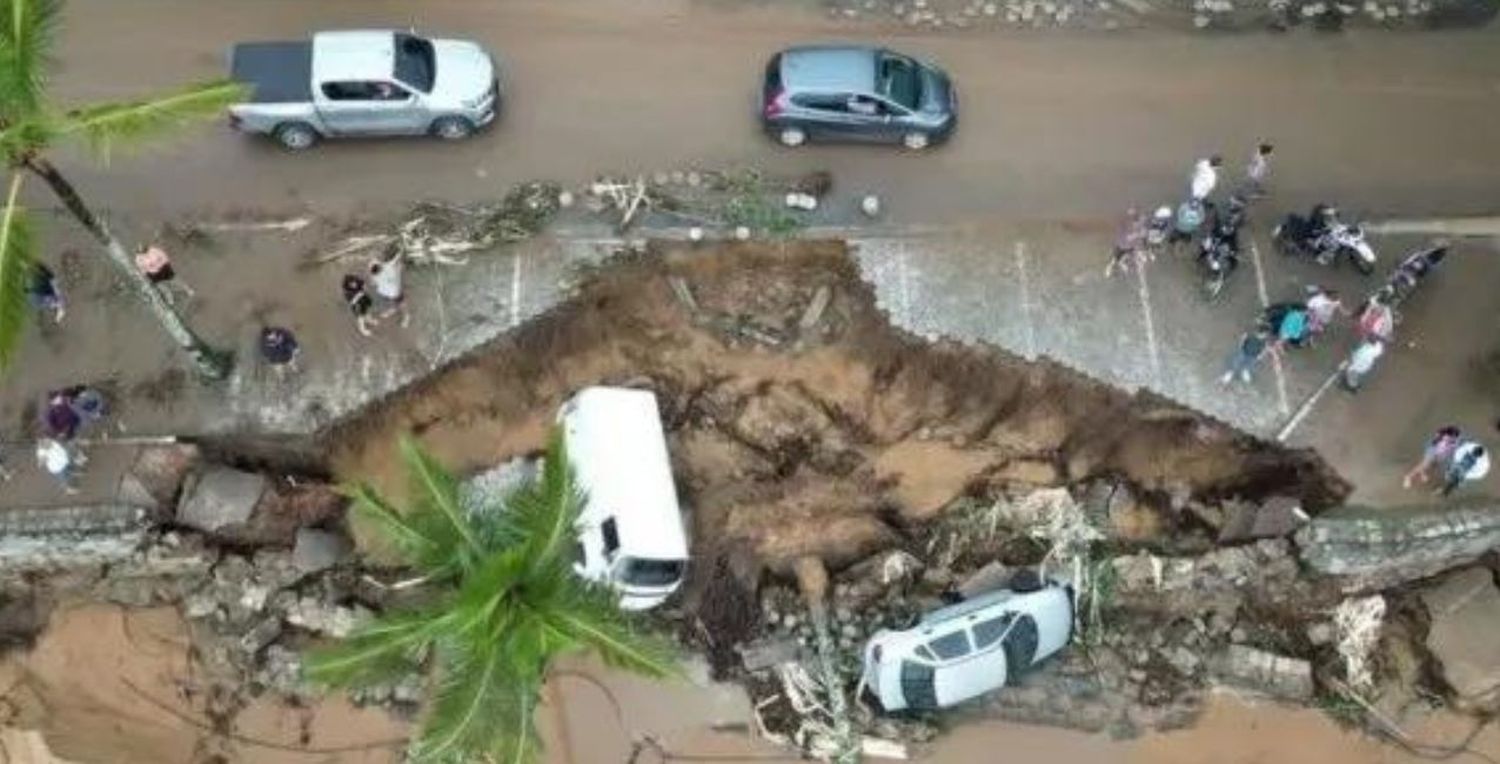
point(157, 475)
point(1238, 634)
point(261, 634)
point(1210, 515)
point(1464, 608)
point(1320, 633)
point(324, 618)
point(220, 497)
point(769, 652)
point(1183, 660)
point(282, 671)
point(1031, 472)
point(317, 550)
point(1275, 517)
point(287, 507)
point(1267, 673)
point(993, 575)
point(695, 233)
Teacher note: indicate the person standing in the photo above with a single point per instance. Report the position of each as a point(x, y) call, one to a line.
point(279, 349)
point(359, 302)
point(45, 293)
point(1438, 450)
point(1205, 177)
point(386, 276)
point(1323, 305)
point(156, 266)
point(1130, 244)
point(1376, 320)
point(61, 462)
point(1253, 346)
point(1470, 461)
point(1361, 361)
point(60, 420)
point(1257, 170)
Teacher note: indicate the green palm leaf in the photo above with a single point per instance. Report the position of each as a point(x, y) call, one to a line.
point(435, 496)
point(479, 707)
point(16, 255)
point(27, 28)
point(387, 648)
point(589, 619)
point(106, 127)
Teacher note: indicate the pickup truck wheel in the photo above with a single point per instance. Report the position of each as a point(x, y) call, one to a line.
point(296, 136)
point(915, 141)
point(453, 128)
point(792, 136)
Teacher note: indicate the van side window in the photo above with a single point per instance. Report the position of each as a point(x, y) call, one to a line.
point(611, 537)
point(951, 646)
point(986, 633)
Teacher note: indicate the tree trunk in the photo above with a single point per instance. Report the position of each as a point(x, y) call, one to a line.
point(212, 364)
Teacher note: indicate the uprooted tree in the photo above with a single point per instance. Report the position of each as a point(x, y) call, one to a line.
point(500, 602)
point(30, 125)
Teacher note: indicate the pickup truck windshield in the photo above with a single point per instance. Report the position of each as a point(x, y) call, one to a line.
point(416, 64)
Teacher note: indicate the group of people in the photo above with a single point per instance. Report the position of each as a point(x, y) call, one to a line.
point(1456, 458)
point(45, 292)
point(1300, 324)
point(67, 413)
point(374, 296)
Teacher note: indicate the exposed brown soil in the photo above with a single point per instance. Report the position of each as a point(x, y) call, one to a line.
point(834, 441)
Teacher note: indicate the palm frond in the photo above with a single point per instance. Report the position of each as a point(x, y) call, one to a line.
point(588, 617)
point(384, 649)
point(480, 707)
point(16, 265)
point(410, 539)
point(435, 495)
point(25, 136)
point(545, 513)
point(107, 127)
point(27, 30)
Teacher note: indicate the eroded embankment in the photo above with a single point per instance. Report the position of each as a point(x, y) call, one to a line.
point(803, 423)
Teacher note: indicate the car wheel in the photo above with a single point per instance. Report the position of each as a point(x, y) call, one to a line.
point(1025, 580)
point(916, 141)
point(792, 136)
point(453, 128)
point(296, 136)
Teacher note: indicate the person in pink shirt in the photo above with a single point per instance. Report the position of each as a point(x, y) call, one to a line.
point(157, 267)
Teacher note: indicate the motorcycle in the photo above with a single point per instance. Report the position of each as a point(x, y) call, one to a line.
point(1219, 252)
point(1410, 272)
point(1321, 237)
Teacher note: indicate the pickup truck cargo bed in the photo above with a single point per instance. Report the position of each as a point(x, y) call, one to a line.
point(278, 72)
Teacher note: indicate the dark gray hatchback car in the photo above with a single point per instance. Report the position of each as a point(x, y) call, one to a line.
point(856, 93)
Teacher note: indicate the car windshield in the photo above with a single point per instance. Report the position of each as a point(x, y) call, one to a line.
point(416, 63)
point(900, 80)
point(640, 571)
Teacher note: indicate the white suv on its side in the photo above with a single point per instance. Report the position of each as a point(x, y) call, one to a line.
point(965, 650)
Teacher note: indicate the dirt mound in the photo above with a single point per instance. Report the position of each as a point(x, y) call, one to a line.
point(800, 429)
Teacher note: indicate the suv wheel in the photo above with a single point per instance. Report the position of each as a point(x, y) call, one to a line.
point(915, 141)
point(452, 128)
point(296, 136)
point(792, 136)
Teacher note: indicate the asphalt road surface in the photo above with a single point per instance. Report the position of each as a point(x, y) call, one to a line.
point(1053, 125)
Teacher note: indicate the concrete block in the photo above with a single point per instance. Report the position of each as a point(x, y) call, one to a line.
point(219, 498)
point(317, 550)
point(1465, 609)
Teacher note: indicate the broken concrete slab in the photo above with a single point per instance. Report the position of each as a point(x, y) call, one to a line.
point(316, 550)
point(1464, 609)
point(220, 497)
point(770, 652)
point(1273, 518)
point(1266, 673)
point(158, 473)
point(1369, 549)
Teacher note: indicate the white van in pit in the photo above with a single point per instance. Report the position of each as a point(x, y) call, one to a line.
point(630, 532)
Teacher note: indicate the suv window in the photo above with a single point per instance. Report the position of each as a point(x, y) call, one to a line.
point(951, 646)
point(363, 91)
point(900, 80)
point(416, 62)
point(822, 101)
point(611, 533)
point(986, 633)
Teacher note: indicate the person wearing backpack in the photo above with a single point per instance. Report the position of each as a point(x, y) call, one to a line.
point(1470, 461)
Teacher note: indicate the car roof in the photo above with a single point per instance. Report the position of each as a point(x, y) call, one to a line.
point(829, 68)
point(354, 55)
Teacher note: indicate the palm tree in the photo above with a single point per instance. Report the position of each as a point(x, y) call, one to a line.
point(506, 603)
point(30, 125)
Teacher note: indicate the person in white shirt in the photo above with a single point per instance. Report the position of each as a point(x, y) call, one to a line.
point(1361, 361)
point(60, 462)
point(1205, 177)
point(386, 276)
point(1470, 461)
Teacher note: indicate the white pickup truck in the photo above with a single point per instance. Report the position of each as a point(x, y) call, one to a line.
point(364, 83)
